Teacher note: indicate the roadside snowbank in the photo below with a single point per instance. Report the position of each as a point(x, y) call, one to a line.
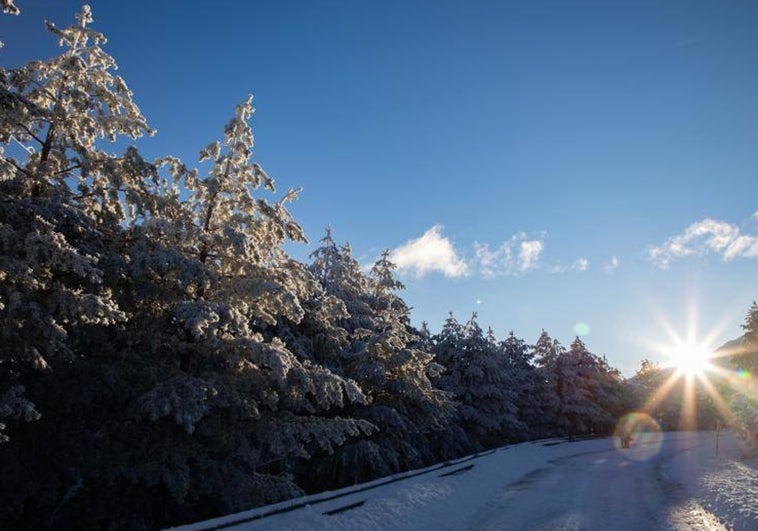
point(726, 484)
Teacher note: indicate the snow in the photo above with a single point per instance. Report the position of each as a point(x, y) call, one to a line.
point(551, 484)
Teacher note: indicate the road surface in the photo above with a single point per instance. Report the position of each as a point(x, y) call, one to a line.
point(671, 484)
point(603, 490)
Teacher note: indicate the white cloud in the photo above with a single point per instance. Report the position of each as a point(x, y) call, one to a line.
point(521, 253)
point(755, 215)
point(708, 236)
point(516, 256)
point(613, 265)
point(430, 253)
point(581, 265)
point(529, 254)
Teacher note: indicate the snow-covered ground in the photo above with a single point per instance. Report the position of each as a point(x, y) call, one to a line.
point(676, 482)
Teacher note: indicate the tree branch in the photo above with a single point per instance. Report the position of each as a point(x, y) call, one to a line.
point(19, 168)
point(75, 166)
point(29, 132)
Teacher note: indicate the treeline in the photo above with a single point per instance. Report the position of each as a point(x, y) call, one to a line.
point(163, 360)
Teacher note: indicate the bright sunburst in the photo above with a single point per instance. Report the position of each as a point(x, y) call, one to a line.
point(692, 373)
point(689, 358)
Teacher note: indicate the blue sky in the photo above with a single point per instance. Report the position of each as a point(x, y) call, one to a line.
point(568, 162)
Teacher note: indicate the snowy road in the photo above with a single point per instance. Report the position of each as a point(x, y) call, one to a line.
point(679, 483)
point(601, 489)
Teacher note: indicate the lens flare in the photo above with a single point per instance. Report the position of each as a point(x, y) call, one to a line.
point(743, 374)
point(582, 329)
point(638, 436)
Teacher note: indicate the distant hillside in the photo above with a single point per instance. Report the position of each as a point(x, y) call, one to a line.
point(731, 347)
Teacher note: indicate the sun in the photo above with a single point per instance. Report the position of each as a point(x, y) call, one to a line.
point(690, 358)
point(690, 363)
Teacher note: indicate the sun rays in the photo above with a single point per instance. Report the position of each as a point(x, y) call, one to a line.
point(697, 369)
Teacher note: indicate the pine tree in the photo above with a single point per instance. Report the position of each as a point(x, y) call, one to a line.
point(589, 391)
point(325, 262)
point(447, 344)
point(751, 323)
point(62, 203)
point(424, 337)
point(548, 355)
point(152, 311)
point(747, 357)
point(531, 398)
point(318, 336)
point(384, 358)
point(242, 287)
point(58, 110)
point(643, 391)
point(478, 376)
point(397, 375)
point(743, 403)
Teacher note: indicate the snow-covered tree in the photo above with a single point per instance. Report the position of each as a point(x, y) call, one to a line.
point(548, 358)
point(586, 387)
point(62, 199)
point(532, 397)
point(653, 390)
point(743, 390)
point(751, 323)
point(384, 358)
point(330, 267)
point(745, 357)
point(243, 289)
point(477, 374)
point(448, 343)
point(642, 387)
point(398, 371)
point(169, 385)
point(341, 277)
point(58, 110)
